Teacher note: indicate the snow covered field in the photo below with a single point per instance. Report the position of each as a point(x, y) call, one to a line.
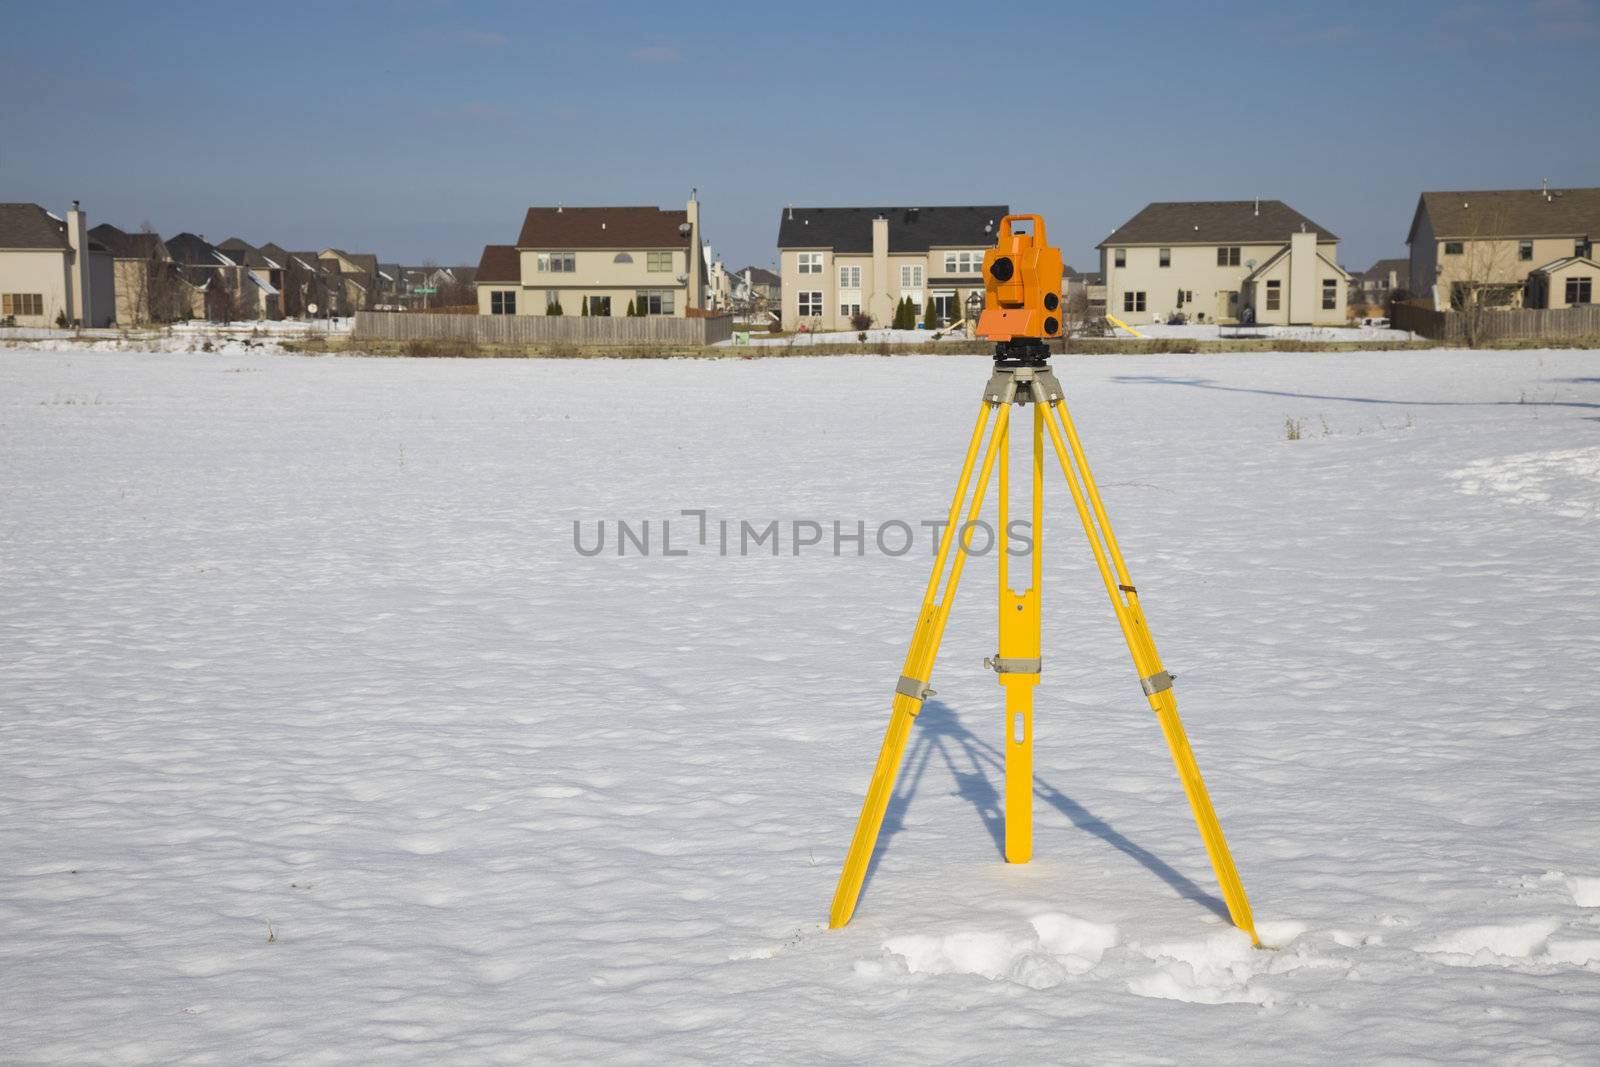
point(306, 642)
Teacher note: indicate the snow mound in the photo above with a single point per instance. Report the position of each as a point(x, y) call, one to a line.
point(1059, 946)
point(1565, 481)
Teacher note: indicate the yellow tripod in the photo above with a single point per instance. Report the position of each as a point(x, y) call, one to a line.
point(1018, 661)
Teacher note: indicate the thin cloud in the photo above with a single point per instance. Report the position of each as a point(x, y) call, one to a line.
point(656, 53)
point(1565, 19)
point(469, 109)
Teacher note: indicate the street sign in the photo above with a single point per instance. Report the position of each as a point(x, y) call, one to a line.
point(427, 289)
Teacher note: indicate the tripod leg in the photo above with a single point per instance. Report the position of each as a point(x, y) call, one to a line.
point(1153, 679)
point(1018, 659)
point(912, 690)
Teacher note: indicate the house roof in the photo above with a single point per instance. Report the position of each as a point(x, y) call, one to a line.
point(758, 276)
point(366, 262)
point(124, 245)
point(31, 226)
point(1559, 265)
point(603, 227)
point(499, 263)
point(1379, 271)
point(242, 252)
point(1511, 213)
point(465, 275)
point(193, 251)
point(911, 229)
point(1206, 222)
point(1283, 253)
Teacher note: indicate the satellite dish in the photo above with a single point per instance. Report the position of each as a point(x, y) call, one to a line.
point(1250, 264)
point(682, 278)
point(311, 308)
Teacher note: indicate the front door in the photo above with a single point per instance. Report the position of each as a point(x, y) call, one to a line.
point(1228, 304)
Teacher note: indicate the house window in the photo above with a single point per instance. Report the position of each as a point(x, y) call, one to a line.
point(1580, 290)
point(1164, 257)
point(1452, 248)
point(1581, 249)
point(1228, 256)
point(963, 262)
point(1185, 296)
point(811, 305)
point(947, 307)
point(810, 262)
point(911, 276)
point(597, 306)
point(658, 262)
point(21, 304)
point(849, 306)
point(502, 303)
point(622, 257)
point(1274, 296)
point(1525, 251)
point(655, 301)
point(1330, 294)
point(557, 262)
point(1119, 257)
point(849, 277)
point(1133, 301)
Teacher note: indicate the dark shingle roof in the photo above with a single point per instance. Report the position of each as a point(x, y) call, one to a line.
point(125, 245)
point(246, 254)
point(603, 227)
point(1512, 213)
point(1214, 221)
point(759, 276)
point(911, 229)
point(500, 263)
point(31, 226)
point(192, 251)
point(1379, 271)
point(366, 262)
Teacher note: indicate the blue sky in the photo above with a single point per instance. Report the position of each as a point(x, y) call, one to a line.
point(424, 129)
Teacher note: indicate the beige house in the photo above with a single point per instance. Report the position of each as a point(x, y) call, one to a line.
point(1566, 283)
point(50, 269)
point(838, 261)
point(142, 270)
point(1483, 246)
point(597, 261)
point(1223, 260)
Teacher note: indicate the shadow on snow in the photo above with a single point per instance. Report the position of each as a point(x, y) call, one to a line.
point(1210, 383)
point(938, 734)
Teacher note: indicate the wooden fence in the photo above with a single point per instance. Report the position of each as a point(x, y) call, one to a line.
point(1512, 324)
point(540, 329)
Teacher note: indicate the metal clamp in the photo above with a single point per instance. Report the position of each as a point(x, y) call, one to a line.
point(1011, 664)
point(915, 688)
point(1157, 683)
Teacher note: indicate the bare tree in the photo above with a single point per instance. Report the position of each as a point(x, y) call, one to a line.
point(1482, 275)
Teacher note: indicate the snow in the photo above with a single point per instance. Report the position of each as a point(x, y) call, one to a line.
point(1210, 331)
point(306, 642)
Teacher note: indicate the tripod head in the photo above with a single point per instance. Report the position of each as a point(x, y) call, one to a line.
point(1022, 290)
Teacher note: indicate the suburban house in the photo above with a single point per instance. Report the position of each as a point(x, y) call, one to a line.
point(265, 275)
point(597, 261)
point(219, 287)
point(306, 282)
point(360, 281)
point(1381, 281)
point(1085, 293)
point(1228, 260)
point(756, 291)
point(52, 270)
point(143, 275)
point(841, 261)
point(1485, 247)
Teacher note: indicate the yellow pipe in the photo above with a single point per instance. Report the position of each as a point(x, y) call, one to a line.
point(1118, 322)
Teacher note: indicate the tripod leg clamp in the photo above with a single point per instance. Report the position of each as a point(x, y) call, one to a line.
point(915, 688)
point(1012, 665)
point(1156, 683)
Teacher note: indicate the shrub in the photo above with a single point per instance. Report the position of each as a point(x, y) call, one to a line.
point(930, 314)
point(861, 321)
point(553, 308)
point(61, 320)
